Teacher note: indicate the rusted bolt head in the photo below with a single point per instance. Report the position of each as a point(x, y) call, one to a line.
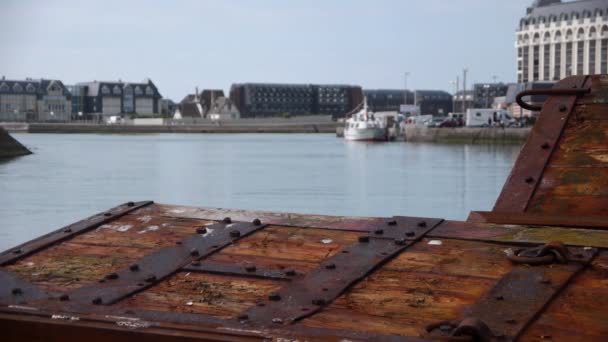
point(446, 328)
point(131, 204)
point(331, 266)
point(379, 231)
point(67, 230)
point(194, 252)
point(17, 291)
point(510, 321)
point(227, 220)
point(319, 302)
point(545, 146)
point(134, 267)
point(422, 224)
point(151, 278)
point(363, 238)
point(499, 297)
point(274, 297)
point(235, 233)
point(178, 243)
point(391, 223)
point(196, 263)
point(563, 108)
point(64, 297)
point(107, 214)
point(97, 301)
point(112, 276)
point(530, 180)
point(250, 268)
point(243, 317)
point(410, 234)
point(290, 273)
point(257, 222)
point(400, 242)
point(17, 251)
point(201, 230)
point(545, 281)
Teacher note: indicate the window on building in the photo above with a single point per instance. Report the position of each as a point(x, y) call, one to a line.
point(535, 62)
point(105, 90)
point(604, 56)
point(30, 88)
point(149, 91)
point(4, 87)
point(17, 88)
point(138, 90)
point(569, 59)
point(116, 90)
point(525, 68)
point(580, 46)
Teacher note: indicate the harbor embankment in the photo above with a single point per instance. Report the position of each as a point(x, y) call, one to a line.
point(324, 127)
point(9, 147)
point(469, 135)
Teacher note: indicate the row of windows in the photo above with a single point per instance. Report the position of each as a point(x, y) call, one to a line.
point(569, 60)
point(18, 88)
point(581, 33)
point(564, 16)
point(105, 90)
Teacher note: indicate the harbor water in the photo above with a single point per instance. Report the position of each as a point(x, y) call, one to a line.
point(72, 176)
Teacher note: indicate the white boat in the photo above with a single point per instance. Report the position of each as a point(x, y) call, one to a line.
point(364, 126)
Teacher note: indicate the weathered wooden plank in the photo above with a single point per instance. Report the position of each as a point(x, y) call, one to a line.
point(520, 234)
point(278, 247)
point(569, 205)
point(426, 283)
point(211, 294)
point(71, 265)
point(275, 218)
point(532, 219)
point(579, 313)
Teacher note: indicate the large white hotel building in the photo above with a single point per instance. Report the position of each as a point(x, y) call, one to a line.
point(558, 39)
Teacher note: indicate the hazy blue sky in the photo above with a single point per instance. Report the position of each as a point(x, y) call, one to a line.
point(182, 44)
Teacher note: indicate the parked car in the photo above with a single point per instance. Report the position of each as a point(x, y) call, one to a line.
point(434, 122)
point(449, 122)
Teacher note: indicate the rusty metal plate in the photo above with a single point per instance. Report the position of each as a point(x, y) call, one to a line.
point(245, 271)
point(404, 227)
point(520, 296)
point(162, 263)
point(16, 291)
point(68, 232)
point(321, 286)
point(535, 154)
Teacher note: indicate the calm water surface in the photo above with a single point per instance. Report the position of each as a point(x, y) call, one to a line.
point(70, 177)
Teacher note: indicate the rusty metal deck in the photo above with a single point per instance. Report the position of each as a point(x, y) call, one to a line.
point(533, 269)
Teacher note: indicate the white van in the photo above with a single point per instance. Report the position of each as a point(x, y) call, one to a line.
point(487, 117)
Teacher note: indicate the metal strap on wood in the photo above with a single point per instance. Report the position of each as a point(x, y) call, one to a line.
point(321, 286)
point(154, 267)
point(12, 255)
point(534, 156)
point(520, 296)
point(13, 290)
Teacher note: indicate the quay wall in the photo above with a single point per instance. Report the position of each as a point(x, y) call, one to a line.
point(324, 127)
point(9, 147)
point(469, 135)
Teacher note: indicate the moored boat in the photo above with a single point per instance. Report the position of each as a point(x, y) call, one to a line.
point(365, 126)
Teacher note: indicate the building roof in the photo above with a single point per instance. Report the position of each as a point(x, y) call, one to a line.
point(559, 9)
point(94, 88)
point(38, 87)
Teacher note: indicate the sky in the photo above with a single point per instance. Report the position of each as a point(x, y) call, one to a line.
point(182, 44)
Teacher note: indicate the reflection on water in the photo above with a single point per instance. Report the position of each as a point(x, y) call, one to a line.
point(70, 177)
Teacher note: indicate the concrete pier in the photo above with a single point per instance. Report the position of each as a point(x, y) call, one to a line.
point(467, 135)
point(9, 147)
